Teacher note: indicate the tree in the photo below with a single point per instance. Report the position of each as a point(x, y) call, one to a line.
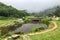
point(57, 12)
point(8, 11)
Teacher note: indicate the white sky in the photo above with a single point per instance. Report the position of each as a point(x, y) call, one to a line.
point(32, 5)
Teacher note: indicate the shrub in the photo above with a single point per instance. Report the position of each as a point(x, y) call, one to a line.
point(45, 20)
point(37, 29)
point(27, 19)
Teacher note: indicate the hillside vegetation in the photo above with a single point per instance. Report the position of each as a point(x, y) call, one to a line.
point(9, 11)
point(55, 11)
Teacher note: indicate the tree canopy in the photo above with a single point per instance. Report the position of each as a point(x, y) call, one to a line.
point(9, 11)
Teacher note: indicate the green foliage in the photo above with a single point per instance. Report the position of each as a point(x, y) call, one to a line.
point(36, 29)
point(45, 20)
point(17, 24)
point(57, 12)
point(9, 11)
point(27, 19)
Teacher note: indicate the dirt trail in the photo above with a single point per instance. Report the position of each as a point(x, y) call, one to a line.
point(26, 37)
point(55, 26)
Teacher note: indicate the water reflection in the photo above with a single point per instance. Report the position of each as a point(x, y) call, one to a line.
point(28, 27)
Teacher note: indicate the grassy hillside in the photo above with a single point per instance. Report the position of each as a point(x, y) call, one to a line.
point(53, 35)
point(7, 21)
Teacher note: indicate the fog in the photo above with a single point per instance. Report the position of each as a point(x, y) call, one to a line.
point(32, 5)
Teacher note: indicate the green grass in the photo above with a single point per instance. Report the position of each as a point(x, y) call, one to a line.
point(7, 21)
point(20, 38)
point(53, 35)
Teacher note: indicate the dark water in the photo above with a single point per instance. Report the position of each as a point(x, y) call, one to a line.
point(28, 27)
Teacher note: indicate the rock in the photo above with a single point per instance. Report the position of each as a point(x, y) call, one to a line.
point(57, 18)
point(15, 36)
point(9, 37)
point(20, 20)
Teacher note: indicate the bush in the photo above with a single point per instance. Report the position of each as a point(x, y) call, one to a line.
point(46, 20)
point(37, 29)
point(27, 19)
point(19, 22)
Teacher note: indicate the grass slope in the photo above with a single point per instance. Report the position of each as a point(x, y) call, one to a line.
point(7, 21)
point(53, 35)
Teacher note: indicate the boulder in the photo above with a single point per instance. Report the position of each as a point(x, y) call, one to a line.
point(15, 36)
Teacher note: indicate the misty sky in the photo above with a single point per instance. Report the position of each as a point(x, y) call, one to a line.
point(32, 5)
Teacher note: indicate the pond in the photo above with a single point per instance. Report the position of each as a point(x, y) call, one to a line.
point(28, 27)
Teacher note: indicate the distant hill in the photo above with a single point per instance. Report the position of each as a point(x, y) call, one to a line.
point(9, 11)
point(50, 12)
